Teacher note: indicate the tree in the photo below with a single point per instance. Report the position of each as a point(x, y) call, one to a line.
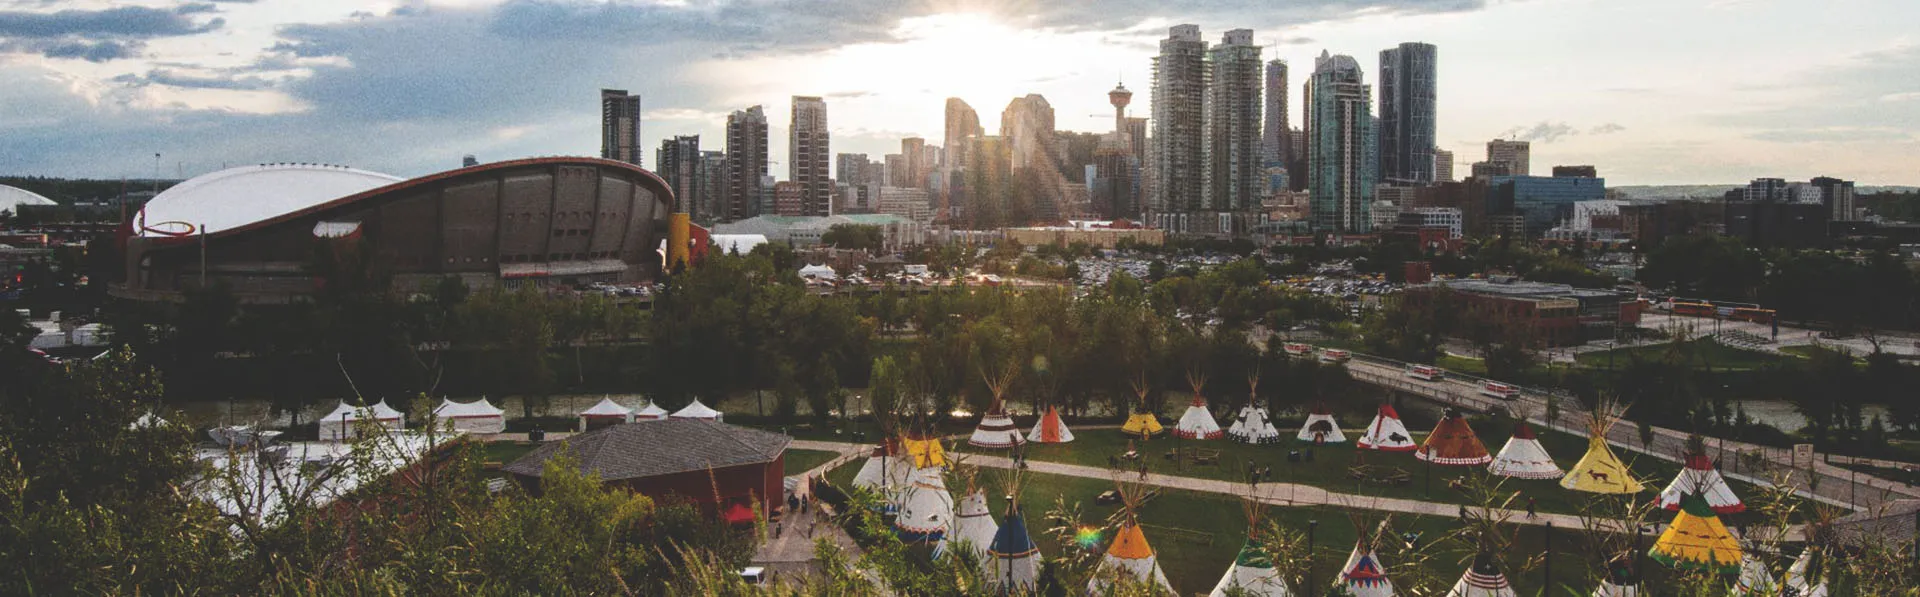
point(856, 237)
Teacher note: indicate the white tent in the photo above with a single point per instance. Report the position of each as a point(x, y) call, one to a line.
point(479, 416)
point(1128, 556)
point(1320, 428)
point(1754, 578)
point(1483, 579)
point(1803, 577)
point(696, 410)
point(886, 471)
point(1253, 575)
point(147, 421)
point(818, 271)
point(1621, 580)
point(341, 423)
point(996, 429)
point(1364, 576)
point(926, 509)
point(1387, 433)
point(1524, 458)
point(1253, 427)
point(973, 528)
point(1197, 422)
point(1013, 561)
point(1050, 429)
point(651, 412)
point(1699, 476)
point(606, 412)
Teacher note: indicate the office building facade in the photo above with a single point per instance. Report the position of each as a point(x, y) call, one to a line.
point(1408, 113)
point(1442, 165)
point(1343, 161)
point(1275, 145)
point(620, 126)
point(678, 162)
point(1534, 204)
point(746, 164)
point(808, 152)
point(1512, 155)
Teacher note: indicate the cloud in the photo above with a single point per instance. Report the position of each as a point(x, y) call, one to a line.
point(1906, 96)
point(171, 78)
point(1606, 129)
point(1544, 132)
point(98, 35)
point(1831, 135)
point(1869, 91)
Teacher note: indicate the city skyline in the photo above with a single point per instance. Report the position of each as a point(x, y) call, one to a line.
point(207, 84)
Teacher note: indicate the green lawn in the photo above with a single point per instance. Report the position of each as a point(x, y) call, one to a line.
point(1468, 365)
point(1197, 535)
point(800, 461)
point(1720, 356)
point(505, 452)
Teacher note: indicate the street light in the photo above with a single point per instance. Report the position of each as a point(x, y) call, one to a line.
point(1313, 524)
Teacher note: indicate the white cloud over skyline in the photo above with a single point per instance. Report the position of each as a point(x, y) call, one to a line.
point(1649, 91)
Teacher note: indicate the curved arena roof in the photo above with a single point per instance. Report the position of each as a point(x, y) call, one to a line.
point(236, 197)
point(15, 196)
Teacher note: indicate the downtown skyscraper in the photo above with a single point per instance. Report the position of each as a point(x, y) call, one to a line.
point(1342, 159)
point(962, 127)
point(1177, 174)
point(808, 156)
point(747, 194)
point(1233, 134)
point(620, 126)
point(1274, 144)
point(679, 162)
point(1408, 113)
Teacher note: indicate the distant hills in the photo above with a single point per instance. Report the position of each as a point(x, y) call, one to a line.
point(1715, 191)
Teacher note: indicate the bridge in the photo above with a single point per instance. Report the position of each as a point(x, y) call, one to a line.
point(1809, 475)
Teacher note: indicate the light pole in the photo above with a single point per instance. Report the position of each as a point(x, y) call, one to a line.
point(1314, 524)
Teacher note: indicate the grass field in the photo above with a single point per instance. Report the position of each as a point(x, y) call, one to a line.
point(1720, 356)
point(800, 461)
point(1197, 535)
point(505, 452)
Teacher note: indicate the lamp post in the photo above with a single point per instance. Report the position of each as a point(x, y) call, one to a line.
point(1314, 524)
point(1547, 583)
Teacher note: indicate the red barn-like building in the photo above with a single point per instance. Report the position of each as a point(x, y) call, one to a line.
point(674, 457)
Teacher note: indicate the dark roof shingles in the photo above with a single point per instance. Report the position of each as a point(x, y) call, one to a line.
point(654, 448)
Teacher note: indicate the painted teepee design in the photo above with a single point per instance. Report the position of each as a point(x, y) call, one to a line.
point(1050, 429)
point(1013, 560)
point(1621, 580)
point(996, 429)
point(973, 527)
point(1141, 423)
point(1699, 476)
point(926, 509)
point(1197, 422)
point(1805, 578)
point(1252, 573)
point(1600, 471)
point(1483, 579)
point(886, 471)
point(1321, 428)
point(1524, 457)
point(1252, 426)
point(1387, 433)
point(1364, 575)
point(1754, 579)
point(1128, 556)
point(1453, 443)
point(1697, 540)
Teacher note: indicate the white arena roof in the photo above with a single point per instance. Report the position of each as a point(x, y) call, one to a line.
point(13, 196)
point(237, 197)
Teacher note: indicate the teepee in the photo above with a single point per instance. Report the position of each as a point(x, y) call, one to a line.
point(926, 509)
point(1320, 427)
point(1621, 579)
point(1128, 555)
point(1804, 577)
point(1252, 573)
point(1699, 476)
point(925, 453)
point(1364, 575)
point(1453, 443)
point(1050, 429)
point(1524, 458)
point(1141, 423)
point(1197, 422)
point(1600, 471)
point(996, 429)
point(973, 528)
point(1697, 540)
point(1754, 579)
point(1387, 433)
point(1483, 579)
point(1013, 560)
point(886, 470)
point(1252, 426)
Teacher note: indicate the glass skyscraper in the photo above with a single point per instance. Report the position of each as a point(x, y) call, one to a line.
point(1342, 158)
point(1407, 113)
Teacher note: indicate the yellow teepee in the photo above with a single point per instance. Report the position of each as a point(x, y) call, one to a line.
point(1697, 540)
point(1142, 423)
point(1600, 471)
point(926, 452)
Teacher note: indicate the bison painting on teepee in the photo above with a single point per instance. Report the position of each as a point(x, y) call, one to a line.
point(1141, 423)
point(1699, 476)
point(1013, 559)
point(996, 429)
point(1050, 429)
point(1252, 573)
point(1453, 443)
point(1600, 471)
point(1252, 426)
point(1197, 422)
point(1321, 428)
point(1387, 433)
point(1129, 557)
point(1524, 457)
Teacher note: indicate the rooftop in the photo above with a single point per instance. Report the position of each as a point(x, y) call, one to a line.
point(237, 197)
point(655, 448)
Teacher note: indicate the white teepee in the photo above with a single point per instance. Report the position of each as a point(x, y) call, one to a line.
point(1483, 579)
point(1804, 577)
point(1252, 572)
point(973, 529)
point(1321, 428)
point(1050, 429)
point(1013, 560)
point(1754, 578)
point(1128, 555)
point(996, 429)
point(1364, 576)
point(1700, 476)
point(1621, 580)
point(1252, 427)
point(1197, 422)
point(886, 470)
point(1524, 458)
point(926, 509)
point(1387, 433)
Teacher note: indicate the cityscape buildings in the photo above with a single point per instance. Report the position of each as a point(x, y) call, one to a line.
point(747, 194)
point(807, 155)
point(1274, 136)
point(680, 164)
point(914, 151)
point(620, 126)
point(1342, 157)
point(962, 127)
point(1115, 185)
point(1179, 100)
point(1233, 173)
point(1512, 155)
point(1407, 113)
point(1442, 165)
point(713, 189)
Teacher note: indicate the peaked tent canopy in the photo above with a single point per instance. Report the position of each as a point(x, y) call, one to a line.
point(926, 453)
point(606, 412)
point(1197, 422)
point(1142, 424)
point(1128, 555)
point(926, 509)
point(1600, 471)
point(973, 530)
point(1013, 560)
point(696, 410)
point(886, 470)
point(1697, 540)
point(1363, 576)
point(1700, 476)
point(996, 429)
point(1804, 577)
point(343, 422)
point(1321, 428)
point(1050, 429)
point(479, 416)
point(1252, 574)
point(1453, 443)
point(1253, 427)
point(1754, 578)
point(651, 412)
point(1524, 457)
point(1483, 579)
point(1387, 433)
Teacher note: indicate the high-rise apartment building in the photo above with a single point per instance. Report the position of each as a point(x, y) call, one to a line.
point(713, 188)
point(1179, 122)
point(1407, 113)
point(1274, 144)
point(853, 175)
point(620, 126)
point(1027, 124)
point(746, 164)
point(1514, 154)
point(895, 174)
point(1442, 165)
point(1343, 162)
point(1839, 197)
point(914, 151)
point(962, 127)
point(807, 155)
point(1232, 113)
point(678, 163)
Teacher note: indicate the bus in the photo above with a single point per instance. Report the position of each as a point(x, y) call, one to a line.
point(1696, 309)
point(1426, 372)
point(1335, 355)
point(1500, 390)
point(1753, 314)
point(1298, 349)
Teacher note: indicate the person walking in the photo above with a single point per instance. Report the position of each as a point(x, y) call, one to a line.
point(1532, 507)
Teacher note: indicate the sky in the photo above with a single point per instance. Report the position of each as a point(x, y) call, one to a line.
point(1648, 91)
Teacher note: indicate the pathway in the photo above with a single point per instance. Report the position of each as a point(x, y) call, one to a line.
point(788, 548)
